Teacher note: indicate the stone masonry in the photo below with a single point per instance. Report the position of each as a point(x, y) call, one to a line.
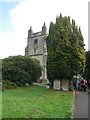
point(37, 48)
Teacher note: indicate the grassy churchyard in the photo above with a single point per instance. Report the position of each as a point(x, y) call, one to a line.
point(36, 102)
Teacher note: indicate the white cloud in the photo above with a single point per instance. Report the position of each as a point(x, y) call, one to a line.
point(11, 44)
point(35, 12)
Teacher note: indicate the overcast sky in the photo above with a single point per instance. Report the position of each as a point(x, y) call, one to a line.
point(16, 17)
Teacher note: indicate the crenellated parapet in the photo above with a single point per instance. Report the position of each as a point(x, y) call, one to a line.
point(43, 32)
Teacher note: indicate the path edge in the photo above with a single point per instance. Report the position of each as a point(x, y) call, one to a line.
point(73, 104)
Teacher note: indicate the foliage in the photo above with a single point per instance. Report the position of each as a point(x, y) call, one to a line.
point(87, 69)
point(65, 45)
point(36, 102)
point(21, 69)
point(8, 85)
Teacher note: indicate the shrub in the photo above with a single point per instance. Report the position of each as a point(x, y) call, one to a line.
point(21, 70)
point(8, 85)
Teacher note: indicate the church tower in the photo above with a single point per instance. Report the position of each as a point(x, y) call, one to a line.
point(37, 48)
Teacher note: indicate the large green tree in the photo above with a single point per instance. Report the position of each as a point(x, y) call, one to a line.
point(87, 69)
point(21, 69)
point(65, 45)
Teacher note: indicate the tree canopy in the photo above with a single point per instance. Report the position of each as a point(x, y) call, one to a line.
point(65, 46)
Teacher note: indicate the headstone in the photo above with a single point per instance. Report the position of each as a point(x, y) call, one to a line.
point(65, 85)
point(56, 84)
point(26, 84)
point(47, 86)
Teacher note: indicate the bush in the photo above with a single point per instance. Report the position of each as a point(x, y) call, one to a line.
point(8, 85)
point(71, 87)
point(21, 70)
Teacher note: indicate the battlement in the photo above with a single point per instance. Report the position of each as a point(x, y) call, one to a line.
point(36, 34)
point(43, 32)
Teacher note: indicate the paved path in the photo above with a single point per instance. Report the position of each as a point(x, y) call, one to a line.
point(81, 105)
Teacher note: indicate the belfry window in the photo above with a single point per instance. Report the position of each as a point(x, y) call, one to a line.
point(35, 41)
point(35, 46)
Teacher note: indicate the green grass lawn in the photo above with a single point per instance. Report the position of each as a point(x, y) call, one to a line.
point(36, 102)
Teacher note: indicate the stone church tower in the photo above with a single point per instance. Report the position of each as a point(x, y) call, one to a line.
point(37, 48)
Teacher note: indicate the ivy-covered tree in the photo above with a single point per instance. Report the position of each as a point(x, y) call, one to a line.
point(66, 53)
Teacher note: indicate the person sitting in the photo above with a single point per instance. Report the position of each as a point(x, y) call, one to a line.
point(85, 84)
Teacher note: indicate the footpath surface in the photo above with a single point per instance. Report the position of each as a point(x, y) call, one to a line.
point(81, 105)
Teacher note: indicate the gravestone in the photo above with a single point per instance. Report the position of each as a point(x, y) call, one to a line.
point(47, 86)
point(56, 84)
point(65, 85)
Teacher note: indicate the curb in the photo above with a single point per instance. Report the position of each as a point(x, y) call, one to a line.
point(88, 91)
point(73, 104)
